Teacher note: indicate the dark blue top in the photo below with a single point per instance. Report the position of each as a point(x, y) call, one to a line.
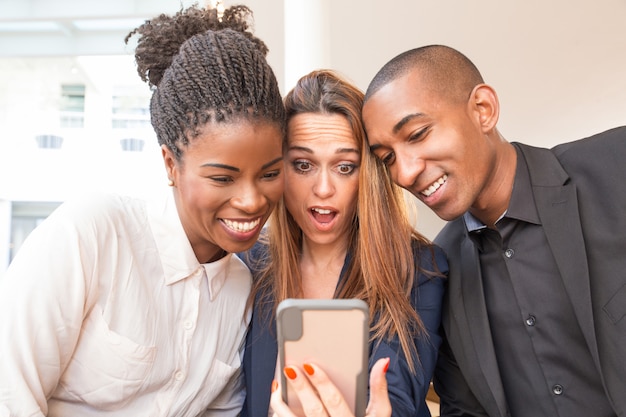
point(407, 391)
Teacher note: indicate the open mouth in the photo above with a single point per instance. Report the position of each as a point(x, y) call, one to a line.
point(323, 215)
point(434, 186)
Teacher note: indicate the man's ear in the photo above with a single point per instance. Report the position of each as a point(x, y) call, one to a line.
point(484, 101)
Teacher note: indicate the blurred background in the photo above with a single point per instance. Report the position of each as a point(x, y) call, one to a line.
point(74, 113)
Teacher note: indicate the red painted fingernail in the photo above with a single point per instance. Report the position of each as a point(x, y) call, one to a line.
point(308, 369)
point(274, 385)
point(290, 372)
point(386, 366)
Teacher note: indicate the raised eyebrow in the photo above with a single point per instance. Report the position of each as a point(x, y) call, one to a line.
point(272, 162)
point(406, 119)
point(347, 150)
point(309, 150)
point(300, 148)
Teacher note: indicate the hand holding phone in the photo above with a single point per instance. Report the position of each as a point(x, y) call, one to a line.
point(333, 335)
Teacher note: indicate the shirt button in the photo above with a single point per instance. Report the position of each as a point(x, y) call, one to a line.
point(557, 389)
point(188, 325)
point(531, 320)
point(179, 375)
point(509, 253)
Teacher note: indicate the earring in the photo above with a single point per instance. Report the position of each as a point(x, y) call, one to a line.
point(170, 183)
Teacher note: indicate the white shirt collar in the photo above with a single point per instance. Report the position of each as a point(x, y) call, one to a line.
point(177, 256)
point(216, 273)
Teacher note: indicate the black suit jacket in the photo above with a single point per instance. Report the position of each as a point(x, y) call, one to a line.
point(580, 192)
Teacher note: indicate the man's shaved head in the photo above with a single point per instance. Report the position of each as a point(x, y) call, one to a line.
point(443, 69)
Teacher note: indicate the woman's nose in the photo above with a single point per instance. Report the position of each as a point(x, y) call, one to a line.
point(250, 199)
point(323, 186)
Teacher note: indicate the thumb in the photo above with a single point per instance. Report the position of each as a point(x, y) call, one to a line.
point(379, 405)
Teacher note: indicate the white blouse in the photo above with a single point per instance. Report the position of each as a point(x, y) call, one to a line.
point(105, 311)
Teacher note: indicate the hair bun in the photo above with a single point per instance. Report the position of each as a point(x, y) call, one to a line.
point(160, 38)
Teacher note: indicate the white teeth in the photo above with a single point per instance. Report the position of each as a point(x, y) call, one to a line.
point(241, 227)
point(435, 186)
point(321, 211)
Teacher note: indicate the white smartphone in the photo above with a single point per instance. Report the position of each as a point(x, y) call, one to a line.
point(332, 334)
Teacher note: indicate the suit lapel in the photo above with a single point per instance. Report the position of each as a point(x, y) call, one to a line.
point(557, 205)
point(558, 212)
point(479, 329)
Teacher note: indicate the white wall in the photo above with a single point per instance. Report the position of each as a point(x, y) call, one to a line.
point(559, 66)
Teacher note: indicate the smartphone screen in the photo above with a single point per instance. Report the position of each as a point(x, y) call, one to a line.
point(332, 334)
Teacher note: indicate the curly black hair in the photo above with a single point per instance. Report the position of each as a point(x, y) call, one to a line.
point(205, 68)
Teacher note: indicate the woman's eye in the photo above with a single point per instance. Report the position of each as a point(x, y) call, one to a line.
point(302, 166)
point(272, 174)
point(222, 180)
point(346, 168)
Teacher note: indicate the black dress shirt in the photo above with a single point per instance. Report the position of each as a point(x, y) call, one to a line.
point(544, 362)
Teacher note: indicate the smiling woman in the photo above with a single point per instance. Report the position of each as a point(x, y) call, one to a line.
point(227, 185)
point(141, 304)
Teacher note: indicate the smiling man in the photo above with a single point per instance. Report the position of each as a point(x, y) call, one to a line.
point(534, 315)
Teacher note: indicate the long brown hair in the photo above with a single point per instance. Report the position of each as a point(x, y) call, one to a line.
point(382, 266)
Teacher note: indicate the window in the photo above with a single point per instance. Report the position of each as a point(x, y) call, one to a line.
point(132, 144)
point(49, 141)
point(131, 109)
point(72, 105)
point(25, 217)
